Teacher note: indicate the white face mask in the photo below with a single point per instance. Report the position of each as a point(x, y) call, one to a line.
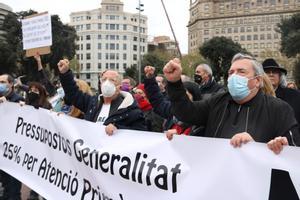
point(108, 88)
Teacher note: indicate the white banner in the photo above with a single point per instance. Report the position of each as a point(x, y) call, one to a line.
point(37, 31)
point(65, 158)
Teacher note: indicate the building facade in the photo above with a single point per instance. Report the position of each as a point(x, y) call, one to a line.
point(4, 10)
point(108, 38)
point(252, 23)
point(164, 43)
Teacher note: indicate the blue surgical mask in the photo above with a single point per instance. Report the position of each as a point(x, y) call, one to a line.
point(3, 89)
point(238, 87)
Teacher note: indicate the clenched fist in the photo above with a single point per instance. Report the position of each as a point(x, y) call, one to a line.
point(149, 71)
point(63, 66)
point(173, 70)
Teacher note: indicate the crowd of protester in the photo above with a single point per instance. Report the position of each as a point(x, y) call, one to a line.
point(257, 104)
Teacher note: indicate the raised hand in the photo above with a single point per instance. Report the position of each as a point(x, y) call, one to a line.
point(149, 71)
point(63, 66)
point(173, 70)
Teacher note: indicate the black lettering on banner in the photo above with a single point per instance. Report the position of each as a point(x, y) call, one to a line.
point(140, 169)
point(282, 186)
point(43, 135)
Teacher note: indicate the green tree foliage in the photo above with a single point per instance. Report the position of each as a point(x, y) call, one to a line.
point(219, 52)
point(290, 41)
point(10, 43)
point(297, 72)
point(131, 72)
point(12, 55)
point(158, 58)
point(190, 62)
point(290, 35)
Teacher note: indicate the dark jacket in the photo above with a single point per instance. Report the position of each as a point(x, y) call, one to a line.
point(264, 117)
point(44, 80)
point(292, 97)
point(210, 88)
point(162, 106)
point(124, 112)
point(14, 97)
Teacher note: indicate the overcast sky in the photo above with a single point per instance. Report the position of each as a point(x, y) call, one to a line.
point(157, 21)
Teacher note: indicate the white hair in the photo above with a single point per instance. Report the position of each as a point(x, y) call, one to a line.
point(257, 66)
point(206, 68)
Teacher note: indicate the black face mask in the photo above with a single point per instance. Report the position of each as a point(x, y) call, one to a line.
point(33, 98)
point(197, 78)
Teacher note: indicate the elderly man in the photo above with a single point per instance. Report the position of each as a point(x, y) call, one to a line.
point(277, 75)
point(207, 84)
point(113, 108)
point(243, 114)
point(12, 187)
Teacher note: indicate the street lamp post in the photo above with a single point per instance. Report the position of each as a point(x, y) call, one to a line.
point(140, 9)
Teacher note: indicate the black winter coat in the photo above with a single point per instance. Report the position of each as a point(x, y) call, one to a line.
point(210, 89)
point(292, 97)
point(128, 116)
point(264, 117)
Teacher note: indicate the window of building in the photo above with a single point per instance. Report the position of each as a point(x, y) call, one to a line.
point(88, 56)
point(134, 57)
point(262, 36)
point(112, 37)
point(106, 56)
point(99, 56)
point(236, 30)
point(99, 66)
point(259, 2)
point(106, 65)
point(135, 28)
point(124, 65)
point(124, 37)
point(88, 76)
point(88, 46)
point(206, 32)
point(112, 56)
point(135, 39)
point(276, 36)
point(88, 27)
point(99, 45)
point(124, 27)
point(269, 36)
point(262, 28)
point(124, 56)
point(242, 29)
point(112, 65)
point(134, 47)
point(249, 29)
point(124, 46)
point(88, 37)
point(255, 29)
point(99, 37)
point(229, 30)
point(249, 46)
point(255, 37)
point(112, 46)
point(249, 37)
point(88, 66)
point(99, 26)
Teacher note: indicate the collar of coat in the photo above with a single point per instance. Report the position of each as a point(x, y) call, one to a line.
point(127, 101)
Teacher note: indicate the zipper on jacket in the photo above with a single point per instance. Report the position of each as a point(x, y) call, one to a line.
point(291, 134)
point(247, 119)
point(223, 115)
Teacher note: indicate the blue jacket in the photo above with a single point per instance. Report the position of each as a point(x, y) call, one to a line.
point(124, 112)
